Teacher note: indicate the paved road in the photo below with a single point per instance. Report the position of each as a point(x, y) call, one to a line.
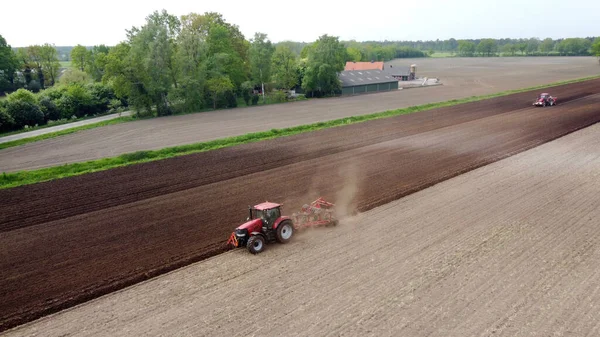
point(51, 129)
point(461, 77)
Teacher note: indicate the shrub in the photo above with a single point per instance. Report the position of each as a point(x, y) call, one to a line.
point(54, 93)
point(80, 100)
point(72, 75)
point(114, 105)
point(278, 97)
point(246, 89)
point(101, 96)
point(231, 100)
point(254, 99)
point(22, 95)
point(6, 121)
point(66, 106)
point(49, 109)
point(25, 113)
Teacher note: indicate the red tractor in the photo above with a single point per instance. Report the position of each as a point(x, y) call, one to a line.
point(544, 99)
point(265, 224)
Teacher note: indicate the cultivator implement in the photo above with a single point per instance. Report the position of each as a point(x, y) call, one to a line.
point(318, 213)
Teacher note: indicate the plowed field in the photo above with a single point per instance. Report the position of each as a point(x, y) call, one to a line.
point(70, 240)
point(510, 249)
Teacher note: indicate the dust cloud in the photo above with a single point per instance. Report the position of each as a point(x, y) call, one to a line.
point(344, 201)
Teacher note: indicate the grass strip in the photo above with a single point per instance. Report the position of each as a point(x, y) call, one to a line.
point(18, 142)
point(10, 180)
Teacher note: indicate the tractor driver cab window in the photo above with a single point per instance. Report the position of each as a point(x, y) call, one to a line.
point(258, 214)
point(273, 214)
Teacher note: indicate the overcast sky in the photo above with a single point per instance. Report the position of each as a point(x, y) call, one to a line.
point(68, 22)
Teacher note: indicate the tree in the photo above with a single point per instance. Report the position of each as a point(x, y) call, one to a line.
point(50, 63)
point(509, 49)
point(261, 54)
point(191, 59)
point(151, 70)
point(522, 47)
point(217, 87)
point(452, 45)
point(574, 46)
point(547, 46)
point(209, 20)
point(596, 48)
point(119, 71)
point(466, 48)
point(223, 59)
point(9, 64)
point(96, 61)
point(306, 50)
point(487, 47)
point(27, 66)
point(34, 56)
point(79, 57)
point(285, 71)
point(326, 59)
point(354, 54)
point(532, 45)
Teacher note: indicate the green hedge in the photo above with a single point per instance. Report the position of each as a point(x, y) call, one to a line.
point(24, 109)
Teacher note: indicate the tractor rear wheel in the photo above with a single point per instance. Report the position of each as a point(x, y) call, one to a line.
point(285, 230)
point(256, 244)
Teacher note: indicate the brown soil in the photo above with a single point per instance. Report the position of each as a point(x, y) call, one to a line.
point(462, 77)
point(509, 249)
point(71, 240)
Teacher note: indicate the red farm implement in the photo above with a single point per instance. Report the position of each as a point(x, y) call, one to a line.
point(265, 224)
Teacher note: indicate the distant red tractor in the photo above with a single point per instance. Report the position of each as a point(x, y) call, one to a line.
point(544, 99)
point(265, 224)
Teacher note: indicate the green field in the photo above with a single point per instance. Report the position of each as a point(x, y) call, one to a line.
point(65, 64)
point(438, 54)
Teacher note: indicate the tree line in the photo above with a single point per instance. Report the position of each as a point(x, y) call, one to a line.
point(189, 63)
point(516, 47)
point(193, 62)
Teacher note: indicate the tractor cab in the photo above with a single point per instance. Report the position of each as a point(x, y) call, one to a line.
point(268, 212)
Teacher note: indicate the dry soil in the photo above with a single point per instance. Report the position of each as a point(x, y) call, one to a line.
point(509, 249)
point(67, 241)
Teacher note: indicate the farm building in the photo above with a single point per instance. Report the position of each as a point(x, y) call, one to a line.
point(350, 65)
point(402, 73)
point(364, 81)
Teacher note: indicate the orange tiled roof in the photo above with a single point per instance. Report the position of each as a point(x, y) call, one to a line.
point(364, 65)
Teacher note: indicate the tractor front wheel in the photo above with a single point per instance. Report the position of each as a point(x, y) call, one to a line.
point(256, 244)
point(285, 230)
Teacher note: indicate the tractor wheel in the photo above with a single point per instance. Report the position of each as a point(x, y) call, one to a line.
point(256, 244)
point(285, 230)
